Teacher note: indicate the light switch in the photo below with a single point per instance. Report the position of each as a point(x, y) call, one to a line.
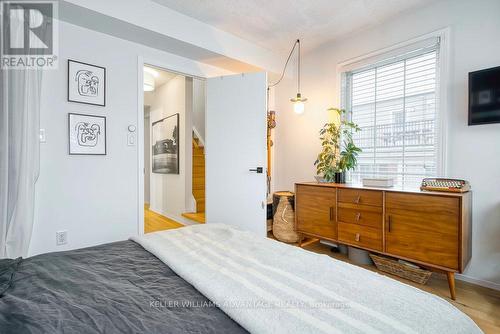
point(43, 139)
point(131, 139)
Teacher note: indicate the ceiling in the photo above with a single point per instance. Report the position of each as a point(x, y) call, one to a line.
point(161, 76)
point(89, 14)
point(275, 24)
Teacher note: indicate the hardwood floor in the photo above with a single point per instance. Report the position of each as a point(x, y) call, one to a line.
point(154, 222)
point(481, 304)
point(198, 217)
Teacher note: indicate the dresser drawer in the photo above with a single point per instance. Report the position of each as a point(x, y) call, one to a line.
point(359, 235)
point(431, 204)
point(360, 214)
point(363, 197)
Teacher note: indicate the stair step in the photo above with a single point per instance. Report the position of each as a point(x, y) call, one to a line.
point(198, 217)
point(199, 194)
point(198, 186)
point(199, 180)
point(199, 162)
point(200, 205)
point(196, 143)
point(199, 169)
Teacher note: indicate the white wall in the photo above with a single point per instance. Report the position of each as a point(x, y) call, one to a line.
point(169, 192)
point(473, 152)
point(94, 198)
point(199, 107)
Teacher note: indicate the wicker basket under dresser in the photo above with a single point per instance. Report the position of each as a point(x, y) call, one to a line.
point(432, 229)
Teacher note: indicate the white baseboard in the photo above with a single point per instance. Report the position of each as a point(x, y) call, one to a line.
point(477, 281)
point(179, 219)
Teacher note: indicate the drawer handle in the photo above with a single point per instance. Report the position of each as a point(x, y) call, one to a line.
point(357, 199)
point(357, 237)
point(358, 216)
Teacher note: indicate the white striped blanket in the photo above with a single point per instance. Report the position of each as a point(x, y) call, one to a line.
point(270, 287)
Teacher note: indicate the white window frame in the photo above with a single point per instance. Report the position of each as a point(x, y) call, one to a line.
point(443, 74)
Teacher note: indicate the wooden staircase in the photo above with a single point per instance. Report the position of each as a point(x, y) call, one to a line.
point(198, 183)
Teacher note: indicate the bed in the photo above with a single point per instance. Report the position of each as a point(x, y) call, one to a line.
point(113, 288)
point(211, 279)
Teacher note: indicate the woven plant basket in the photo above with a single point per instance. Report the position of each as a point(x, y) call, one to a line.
point(394, 267)
point(284, 221)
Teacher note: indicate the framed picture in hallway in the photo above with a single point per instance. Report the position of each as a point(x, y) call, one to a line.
point(86, 83)
point(87, 134)
point(165, 139)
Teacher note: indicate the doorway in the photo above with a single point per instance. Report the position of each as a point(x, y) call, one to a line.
point(174, 169)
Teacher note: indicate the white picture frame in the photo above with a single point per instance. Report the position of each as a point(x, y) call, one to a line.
point(86, 83)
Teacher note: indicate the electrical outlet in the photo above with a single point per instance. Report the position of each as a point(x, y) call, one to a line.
point(61, 238)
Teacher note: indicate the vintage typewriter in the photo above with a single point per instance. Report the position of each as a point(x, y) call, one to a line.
point(450, 185)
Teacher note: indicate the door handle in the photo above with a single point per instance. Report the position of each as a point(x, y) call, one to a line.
point(331, 213)
point(389, 223)
point(258, 170)
point(357, 199)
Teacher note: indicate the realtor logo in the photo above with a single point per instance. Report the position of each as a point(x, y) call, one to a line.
point(29, 34)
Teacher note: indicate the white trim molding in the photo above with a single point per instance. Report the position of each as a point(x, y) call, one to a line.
point(190, 71)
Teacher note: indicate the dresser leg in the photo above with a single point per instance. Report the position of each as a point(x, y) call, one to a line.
point(451, 283)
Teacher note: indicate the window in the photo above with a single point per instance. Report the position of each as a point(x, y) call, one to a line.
point(395, 103)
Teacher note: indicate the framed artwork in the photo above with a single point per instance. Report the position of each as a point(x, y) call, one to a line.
point(87, 134)
point(165, 139)
point(86, 83)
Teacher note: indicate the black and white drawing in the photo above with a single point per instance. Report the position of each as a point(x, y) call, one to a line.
point(165, 136)
point(86, 83)
point(87, 134)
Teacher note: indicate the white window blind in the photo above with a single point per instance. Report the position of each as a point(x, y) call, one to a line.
point(395, 103)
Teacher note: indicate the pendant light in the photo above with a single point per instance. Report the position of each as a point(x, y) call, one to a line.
point(298, 101)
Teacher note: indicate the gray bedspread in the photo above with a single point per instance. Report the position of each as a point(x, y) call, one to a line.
point(112, 288)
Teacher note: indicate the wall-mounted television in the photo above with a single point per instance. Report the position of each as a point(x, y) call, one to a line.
point(484, 96)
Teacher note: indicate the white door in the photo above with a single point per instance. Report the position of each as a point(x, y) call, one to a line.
point(235, 152)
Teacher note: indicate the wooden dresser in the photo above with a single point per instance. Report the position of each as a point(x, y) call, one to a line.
point(432, 229)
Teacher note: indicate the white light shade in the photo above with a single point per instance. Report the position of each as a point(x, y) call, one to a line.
point(298, 103)
point(149, 82)
point(298, 107)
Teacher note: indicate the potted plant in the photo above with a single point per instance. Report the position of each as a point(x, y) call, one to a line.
point(339, 153)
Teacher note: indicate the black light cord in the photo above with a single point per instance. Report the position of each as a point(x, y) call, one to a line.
point(298, 68)
point(286, 64)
